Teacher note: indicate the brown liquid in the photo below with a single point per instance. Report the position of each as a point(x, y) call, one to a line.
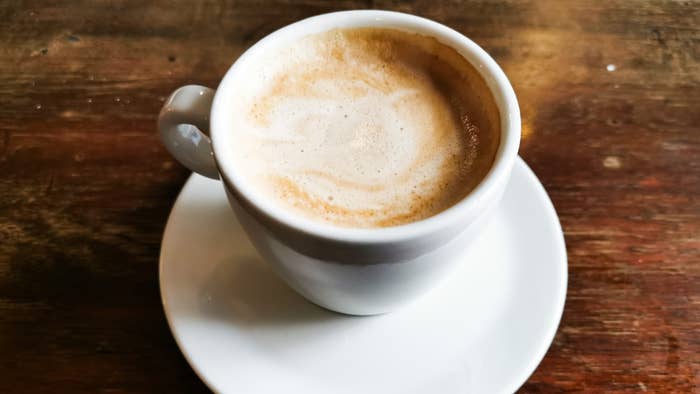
point(369, 128)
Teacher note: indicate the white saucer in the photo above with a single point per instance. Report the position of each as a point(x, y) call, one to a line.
point(483, 330)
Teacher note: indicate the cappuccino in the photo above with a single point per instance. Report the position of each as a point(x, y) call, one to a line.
point(364, 128)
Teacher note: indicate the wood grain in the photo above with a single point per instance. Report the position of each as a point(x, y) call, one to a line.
point(610, 97)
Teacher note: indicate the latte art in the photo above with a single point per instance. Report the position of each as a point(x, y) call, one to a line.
point(365, 128)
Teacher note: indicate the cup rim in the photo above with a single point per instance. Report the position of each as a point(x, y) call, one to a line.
point(496, 80)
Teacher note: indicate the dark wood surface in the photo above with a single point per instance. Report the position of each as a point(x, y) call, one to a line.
point(610, 98)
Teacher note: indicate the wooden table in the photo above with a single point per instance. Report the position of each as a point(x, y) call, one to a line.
point(610, 98)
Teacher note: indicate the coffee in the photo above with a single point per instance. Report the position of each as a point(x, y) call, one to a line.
point(366, 127)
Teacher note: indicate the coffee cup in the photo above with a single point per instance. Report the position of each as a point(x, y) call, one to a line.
point(358, 269)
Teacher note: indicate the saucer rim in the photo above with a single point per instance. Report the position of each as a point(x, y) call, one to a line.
point(562, 257)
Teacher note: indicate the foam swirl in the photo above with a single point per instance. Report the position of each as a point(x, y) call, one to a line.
point(365, 127)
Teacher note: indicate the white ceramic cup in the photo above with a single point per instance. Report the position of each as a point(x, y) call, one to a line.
point(350, 270)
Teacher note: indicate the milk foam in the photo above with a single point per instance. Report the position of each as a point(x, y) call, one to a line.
point(364, 127)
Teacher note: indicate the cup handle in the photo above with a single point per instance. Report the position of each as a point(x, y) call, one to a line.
point(183, 123)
